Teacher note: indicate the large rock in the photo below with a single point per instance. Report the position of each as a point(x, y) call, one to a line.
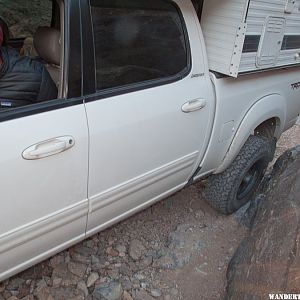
point(183, 242)
point(108, 291)
point(66, 293)
point(136, 249)
point(268, 260)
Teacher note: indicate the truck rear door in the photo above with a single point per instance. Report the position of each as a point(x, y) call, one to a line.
point(151, 109)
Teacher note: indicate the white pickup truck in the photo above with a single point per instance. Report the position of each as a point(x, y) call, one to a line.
point(139, 116)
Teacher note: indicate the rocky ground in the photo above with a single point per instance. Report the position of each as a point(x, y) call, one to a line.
point(23, 17)
point(177, 249)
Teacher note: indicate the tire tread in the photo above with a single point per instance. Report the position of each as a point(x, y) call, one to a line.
point(218, 191)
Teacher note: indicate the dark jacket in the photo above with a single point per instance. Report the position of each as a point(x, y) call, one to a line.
point(23, 80)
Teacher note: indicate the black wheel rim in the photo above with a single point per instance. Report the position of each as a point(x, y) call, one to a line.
point(250, 181)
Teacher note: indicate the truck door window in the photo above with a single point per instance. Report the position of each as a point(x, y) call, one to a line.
point(135, 41)
point(31, 48)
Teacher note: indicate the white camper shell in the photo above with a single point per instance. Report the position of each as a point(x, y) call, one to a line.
point(251, 35)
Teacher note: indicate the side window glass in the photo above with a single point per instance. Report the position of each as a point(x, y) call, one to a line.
point(30, 52)
point(137, 41)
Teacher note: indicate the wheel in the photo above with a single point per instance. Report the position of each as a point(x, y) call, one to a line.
point(230, 190)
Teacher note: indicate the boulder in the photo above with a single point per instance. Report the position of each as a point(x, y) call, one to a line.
point(268, 260)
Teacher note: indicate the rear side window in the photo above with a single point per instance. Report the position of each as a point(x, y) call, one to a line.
point(137, 41)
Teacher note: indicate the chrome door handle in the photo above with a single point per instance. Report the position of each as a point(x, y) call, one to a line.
point(48, 148)
point(193, 105)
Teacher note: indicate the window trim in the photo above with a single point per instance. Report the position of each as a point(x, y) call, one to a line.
point(73, 48)
point(88, 53)
point(134, 87)
point(37, 108)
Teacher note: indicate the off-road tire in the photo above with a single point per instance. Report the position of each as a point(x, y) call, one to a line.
point(222, 191)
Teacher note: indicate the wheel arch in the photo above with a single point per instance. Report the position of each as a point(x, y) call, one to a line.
point(267, 110)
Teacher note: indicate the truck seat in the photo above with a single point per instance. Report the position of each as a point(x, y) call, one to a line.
point(47, 44)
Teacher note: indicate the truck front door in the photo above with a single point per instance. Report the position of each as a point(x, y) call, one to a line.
point(151, 114)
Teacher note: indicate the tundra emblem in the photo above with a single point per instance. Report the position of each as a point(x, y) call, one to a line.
point(295, 86)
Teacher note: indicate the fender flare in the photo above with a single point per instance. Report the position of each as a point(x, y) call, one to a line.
point(268, 107)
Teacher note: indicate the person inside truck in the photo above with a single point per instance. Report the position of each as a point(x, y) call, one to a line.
point(23, 80)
